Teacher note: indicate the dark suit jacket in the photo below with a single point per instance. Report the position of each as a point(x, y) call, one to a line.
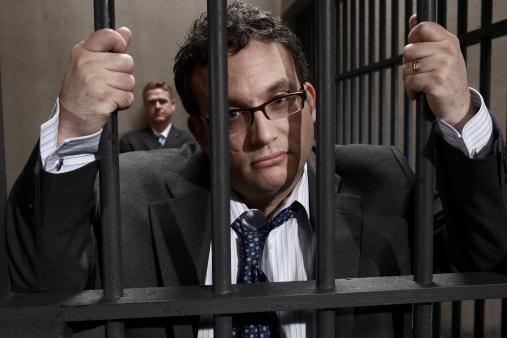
point(144, 139)
point(166, 228)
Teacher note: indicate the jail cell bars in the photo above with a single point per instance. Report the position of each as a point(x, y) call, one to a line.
point(45, 314)
point(365, 31)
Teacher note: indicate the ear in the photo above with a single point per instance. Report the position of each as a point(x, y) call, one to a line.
point(311, 96)
point(199, 130)
point(173, 106)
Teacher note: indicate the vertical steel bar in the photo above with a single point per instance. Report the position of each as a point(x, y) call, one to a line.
point(456, 319)
point(220, 190)
point(442, 13)
point(108, 154)
point(394, 72)
point(362, 77)
point(463, 23)
point(382, 76)
point(339, 84)
point(479, 307)
point(485, 89)
point(423, 274)
point(353, 80)
point(345, 67)
point(437, 314)
point(5, 285)
point(485, 65)
point(371, 77)
point(325, 159)
point(112, 273)
point(407, 134)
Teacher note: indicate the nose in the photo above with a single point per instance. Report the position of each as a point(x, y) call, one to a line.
point(262, 131)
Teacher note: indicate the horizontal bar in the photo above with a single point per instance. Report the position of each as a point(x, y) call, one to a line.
point(396, 60)
point(196, 300)
point(493, 31)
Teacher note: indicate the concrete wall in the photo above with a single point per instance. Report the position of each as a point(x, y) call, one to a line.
point(36, 38)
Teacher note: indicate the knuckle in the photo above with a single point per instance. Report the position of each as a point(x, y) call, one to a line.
point(126, 63)
point(125, 100)
point(124, 82)
point(132, 83)
point(101, 94)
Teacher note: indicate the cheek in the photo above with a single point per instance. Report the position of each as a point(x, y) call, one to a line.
point(236, 144)
point(238, 157)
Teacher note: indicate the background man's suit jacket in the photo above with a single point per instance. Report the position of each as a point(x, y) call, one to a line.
point(166, 228)
point(144, 139)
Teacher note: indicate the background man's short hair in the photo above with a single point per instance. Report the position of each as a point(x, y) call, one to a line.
point(244, 22)
point(158, 84)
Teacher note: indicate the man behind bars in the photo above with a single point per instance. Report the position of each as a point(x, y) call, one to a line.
point(53, 227)
point(159, 106)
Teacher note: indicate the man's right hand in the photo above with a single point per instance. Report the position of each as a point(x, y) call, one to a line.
point(97, 82)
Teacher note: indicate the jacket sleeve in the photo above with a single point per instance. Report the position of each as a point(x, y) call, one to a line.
point(474, 195)
point(50, 239)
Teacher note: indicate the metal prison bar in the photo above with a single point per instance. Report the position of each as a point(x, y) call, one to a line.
point(104, 17)
point(45, 314)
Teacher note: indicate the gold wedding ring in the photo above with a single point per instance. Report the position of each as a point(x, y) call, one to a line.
point(417, 66)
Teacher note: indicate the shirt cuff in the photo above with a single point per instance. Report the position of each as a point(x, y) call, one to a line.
point(476, 140)
point(72, 154)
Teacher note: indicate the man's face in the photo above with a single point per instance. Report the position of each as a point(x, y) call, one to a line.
point(158, 107)
point(267, 158)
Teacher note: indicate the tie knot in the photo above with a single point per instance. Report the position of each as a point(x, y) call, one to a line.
point(252, 243)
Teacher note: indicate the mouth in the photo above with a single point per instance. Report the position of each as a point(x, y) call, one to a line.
point(270, 160)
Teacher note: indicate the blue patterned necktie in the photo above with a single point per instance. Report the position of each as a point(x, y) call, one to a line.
point(252, 242)
point(160, 139)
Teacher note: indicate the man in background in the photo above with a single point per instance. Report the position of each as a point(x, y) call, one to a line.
point(159, 107)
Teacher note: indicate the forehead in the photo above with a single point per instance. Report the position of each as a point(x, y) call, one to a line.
point(252, 72)
point(156, 94)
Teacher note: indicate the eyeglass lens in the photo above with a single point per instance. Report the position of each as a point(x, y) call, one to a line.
point(276, 109)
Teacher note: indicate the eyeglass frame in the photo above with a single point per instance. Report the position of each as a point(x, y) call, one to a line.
point(262, 107)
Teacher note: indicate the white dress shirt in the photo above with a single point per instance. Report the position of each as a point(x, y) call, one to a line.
point(164, 133)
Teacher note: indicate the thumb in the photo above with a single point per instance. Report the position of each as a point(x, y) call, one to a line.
point(126, 34)
point(412, 22)
point(108, 40)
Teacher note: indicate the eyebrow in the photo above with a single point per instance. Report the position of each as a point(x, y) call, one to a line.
point(281, 83)
point(275, 86)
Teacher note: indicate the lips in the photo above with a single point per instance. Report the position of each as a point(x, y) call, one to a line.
point(270, 160)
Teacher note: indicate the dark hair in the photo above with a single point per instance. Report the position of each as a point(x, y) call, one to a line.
point(155, 85)
point(244, 22)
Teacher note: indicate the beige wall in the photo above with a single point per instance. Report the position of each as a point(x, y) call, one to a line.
point(35, 42)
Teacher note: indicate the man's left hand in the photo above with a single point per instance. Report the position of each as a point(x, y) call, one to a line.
point(441, 74)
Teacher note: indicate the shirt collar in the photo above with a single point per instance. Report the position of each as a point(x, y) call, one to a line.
point(164, 133)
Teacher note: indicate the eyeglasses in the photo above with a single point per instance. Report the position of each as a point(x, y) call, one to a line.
point(278, 108)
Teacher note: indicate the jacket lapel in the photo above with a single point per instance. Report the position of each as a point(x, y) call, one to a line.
point(182, 249)
point(148, 139)
point(348, 218)
point(170, 141)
